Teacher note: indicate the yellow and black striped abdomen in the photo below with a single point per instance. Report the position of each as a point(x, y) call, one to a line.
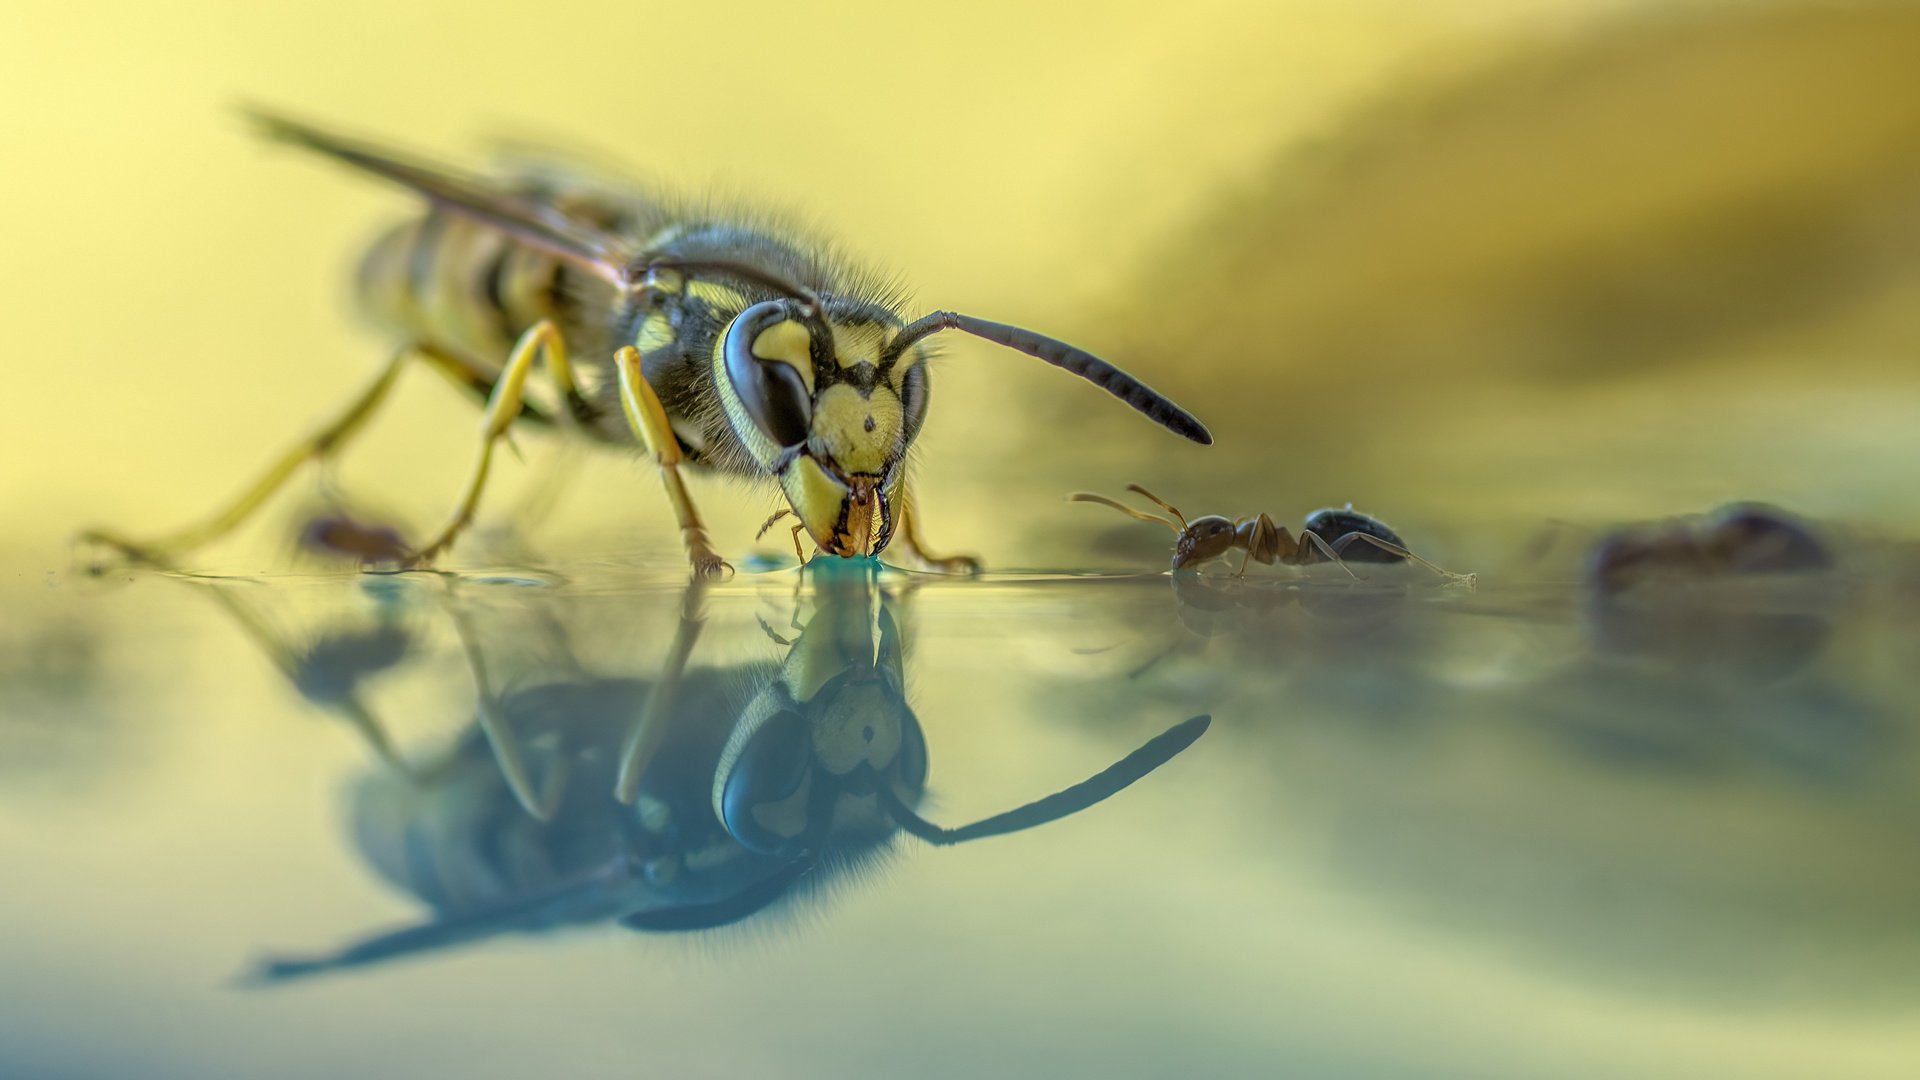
point(454, 285)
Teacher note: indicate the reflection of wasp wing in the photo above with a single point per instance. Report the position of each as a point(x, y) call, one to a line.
point(603, 892)
point(524, 216)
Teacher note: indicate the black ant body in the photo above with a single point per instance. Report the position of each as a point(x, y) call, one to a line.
point(1337, 536)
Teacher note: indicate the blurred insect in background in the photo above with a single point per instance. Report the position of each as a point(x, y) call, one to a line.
point(690, 801)
point(1335, 536)
point(708, 338)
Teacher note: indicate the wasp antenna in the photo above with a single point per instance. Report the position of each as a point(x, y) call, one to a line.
point(1156, 752)
point(1149, 402)
point(1090, 497)
point(1161, 503)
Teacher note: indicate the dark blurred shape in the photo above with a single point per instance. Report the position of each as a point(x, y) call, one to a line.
point(1632, 194)
point(59, 721)
point(1746, 588)
point(332, 669)
point(1741, 538)
point(339, 536)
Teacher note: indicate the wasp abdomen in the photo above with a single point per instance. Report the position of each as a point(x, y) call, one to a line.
point(450, 283)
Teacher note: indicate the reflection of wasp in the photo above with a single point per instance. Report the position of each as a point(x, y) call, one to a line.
point(691, 802)
point(709, 338)
point(1336, 536)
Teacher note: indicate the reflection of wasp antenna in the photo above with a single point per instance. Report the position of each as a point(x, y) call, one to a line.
point(1156, 752)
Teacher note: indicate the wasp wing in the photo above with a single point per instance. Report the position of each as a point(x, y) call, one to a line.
point(526, 218)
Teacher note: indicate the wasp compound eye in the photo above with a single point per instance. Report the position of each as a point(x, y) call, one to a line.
point(768, 353)
point(763, 804)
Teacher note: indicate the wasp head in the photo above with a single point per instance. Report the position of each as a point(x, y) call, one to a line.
point(823, 401)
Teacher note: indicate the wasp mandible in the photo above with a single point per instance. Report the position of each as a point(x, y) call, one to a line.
point(707, 338)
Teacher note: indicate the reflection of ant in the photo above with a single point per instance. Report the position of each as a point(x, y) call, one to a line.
point(1327, 535)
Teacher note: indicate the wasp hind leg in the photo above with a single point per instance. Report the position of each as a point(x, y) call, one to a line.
point(648, 419)
point(917, 549)
point(315, 447)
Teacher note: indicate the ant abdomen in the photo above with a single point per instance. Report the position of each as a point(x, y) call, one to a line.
point(1333, 525)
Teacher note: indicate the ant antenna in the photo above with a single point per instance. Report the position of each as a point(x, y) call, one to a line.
point(1090, 497)
point(1138, 490)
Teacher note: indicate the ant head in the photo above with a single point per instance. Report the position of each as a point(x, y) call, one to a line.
point(1205, 538)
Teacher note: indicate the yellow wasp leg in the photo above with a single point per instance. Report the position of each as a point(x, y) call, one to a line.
point(503, 408)
point(316, 446)
point(650, 727)
point(909, 532)
point(649, 423)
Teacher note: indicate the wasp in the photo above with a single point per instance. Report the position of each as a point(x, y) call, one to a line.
point(707, 338)
point(691, 801)
point(1337, 536)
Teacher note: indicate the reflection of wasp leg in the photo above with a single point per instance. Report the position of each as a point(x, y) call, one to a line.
point(315, 446)
point(540, 800)
point(916, 547)
point(650, 727)
point(503, 407)
point(648, 419)
point(1395, 549)
point(346, 704)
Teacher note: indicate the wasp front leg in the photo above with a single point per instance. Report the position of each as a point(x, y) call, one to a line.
point(648, 419)
point(922, 559)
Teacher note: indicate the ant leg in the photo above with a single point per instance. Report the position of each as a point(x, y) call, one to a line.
point(917, 548)
point(648, 419)
point(1396, 549)
point(317, 446)
point(649, 729)
point(1328, 553)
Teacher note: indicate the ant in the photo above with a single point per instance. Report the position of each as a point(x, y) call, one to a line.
point(1336, 536)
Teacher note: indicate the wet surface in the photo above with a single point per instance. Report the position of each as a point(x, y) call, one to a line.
point(396, 824)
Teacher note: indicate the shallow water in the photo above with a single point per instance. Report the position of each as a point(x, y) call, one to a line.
point(1432, 830)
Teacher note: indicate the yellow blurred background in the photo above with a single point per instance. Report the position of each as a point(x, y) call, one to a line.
point(1472, 266)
